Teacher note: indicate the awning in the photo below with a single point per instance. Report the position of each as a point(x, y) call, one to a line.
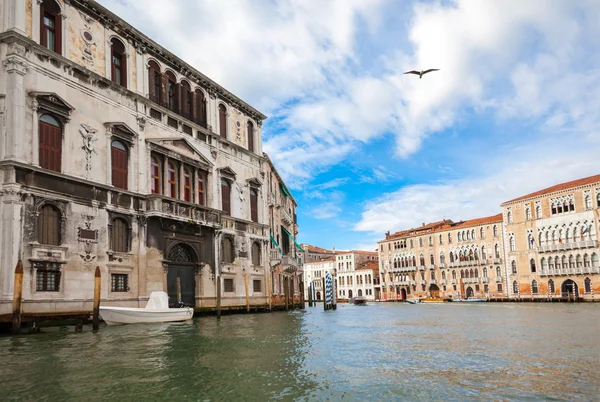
point(285, 191)
point(273, 242)
point(294, 240)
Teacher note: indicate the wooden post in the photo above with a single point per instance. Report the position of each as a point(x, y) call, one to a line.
point(310, 294)
point(218, 297)
point(291, 285)
point(178, 290)
point(269, 295)
point(247, 294)
point(17, 297)
point(96, 316)
point(286, 291)
point(301, 287)
point(323, 295)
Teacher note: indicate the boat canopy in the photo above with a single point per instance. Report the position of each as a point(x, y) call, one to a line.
point(158, 300)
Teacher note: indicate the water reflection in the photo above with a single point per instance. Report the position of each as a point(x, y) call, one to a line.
point(377, 352)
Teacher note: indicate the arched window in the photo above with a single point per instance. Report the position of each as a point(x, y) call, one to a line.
point(449, 238)
point(598, 200)
point(228, 251)
point(538, 212)
point(551, 286)
point(253, 205)
point(459, 236)
point(481, 234)
point(431, 259)
point(226, 196)
point(118, 63)
point(588, 202)
point(420, 242)
point(187, 185)
point(119, 235)
point(462, 273)
point(495, 231)
point(187, 100)
point(172, 177)
point(414, 261)
point(201, 188)
point(594, 260)
point(430, 241)
point(509, 217)
point(571, 262)
point(255, 254)
point(441, 239)
point(155, 172)
point(587, 285)
point(498, 272)
point(250, 131)
point(422, 260)
point(453, 274)
point(512, 243)
point(473, 234)
point(172, 92)
point(485, 274)
point(530, 241)
point(451, 257)
point(50, 133)
point(528, 213)
point(222, 121)
point(49, 232)
point(483, 253)
point(155, 82)
point(496, 251)
point(534, 287)
point(200, 108)
point(51, 26)
point(442, 258)
point(513, 266)
point(564, 262)
point(476, 273)
point(532, 265)
point(411, 243)
point(544, 264)
point(586, 260)
point(120, 163)
point(515, 287)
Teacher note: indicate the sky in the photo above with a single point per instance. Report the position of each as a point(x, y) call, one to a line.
point(366, 149)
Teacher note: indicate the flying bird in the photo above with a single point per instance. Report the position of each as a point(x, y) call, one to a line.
point(422, 72)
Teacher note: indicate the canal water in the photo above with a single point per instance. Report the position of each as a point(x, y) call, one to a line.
point(379, 352)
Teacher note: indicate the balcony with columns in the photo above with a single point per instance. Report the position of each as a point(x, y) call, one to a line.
point(575, 245)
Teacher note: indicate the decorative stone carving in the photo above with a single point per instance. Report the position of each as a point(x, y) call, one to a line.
point(89, 139)
point(15, 64)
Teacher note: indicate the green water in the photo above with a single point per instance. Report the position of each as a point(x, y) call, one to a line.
point(376, 352)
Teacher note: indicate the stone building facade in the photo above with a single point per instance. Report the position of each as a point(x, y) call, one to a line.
point(552, 241)
point(444, 259)
point(284, 250)
point(352, 281)
point(314, 272)
point(314, 253)
point(118, 154)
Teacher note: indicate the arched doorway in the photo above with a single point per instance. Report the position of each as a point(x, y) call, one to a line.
point(350, 294)
point(434, 291)
point(359, 292)
point(182, 264)
point(469, 292)
point(569, 289)
point(319, 296)
point(403, 294)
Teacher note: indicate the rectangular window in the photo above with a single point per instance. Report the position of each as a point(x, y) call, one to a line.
point(187, 186)
point(47, 280)
point(201, 188)
point(228, 285)
point(499, 287)
point(155, 114)
point(157, 87)
point(119, 283)
point(257, 286)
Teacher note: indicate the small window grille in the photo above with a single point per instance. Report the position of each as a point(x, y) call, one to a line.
point(172, 122)
point(257, 286)
point(187, 129)
point(47, 280)
point(155, 114)
point(228, 285)
point(119, 282)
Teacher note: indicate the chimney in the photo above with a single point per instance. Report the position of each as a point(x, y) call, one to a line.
point(423, 224)
point(333, 248)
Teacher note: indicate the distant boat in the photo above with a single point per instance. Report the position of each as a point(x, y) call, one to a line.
point(433, 300)
point(156, 310)
point(471, 300)
point(414, 301)
point(359, 300)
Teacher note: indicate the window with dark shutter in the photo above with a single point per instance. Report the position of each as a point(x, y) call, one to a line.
point(222, 121)
point(255, 254)
point(172, 92)
point(257, 286)
point(118, 63)
point(228, 285)
point(155, 173)
point(253, 205)
point(51, 26)
point(228, 255)
point(154, 81)
point(200, 108)
point(49, 226)
point(50, 133)
point(226, 196)
point(187, 104)
point(119, 162)
point(250, 130)
point(119, 236)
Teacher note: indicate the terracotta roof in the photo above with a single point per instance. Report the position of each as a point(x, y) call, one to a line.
point(374, 265)
point(362, 252)
point(425, 227)
point(319, 261)
point(314, 249)
point(559, 187)
point(478, 221)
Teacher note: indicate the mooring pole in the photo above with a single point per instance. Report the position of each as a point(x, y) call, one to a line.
point(96, 314)
point(247, 294)
point(286, 291)
point(324, 297)
point(269, 295)
point(178, 290)
point(17, 297)
point(310, 299)
point(218, 297)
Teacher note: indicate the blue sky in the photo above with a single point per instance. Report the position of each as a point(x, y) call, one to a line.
point(366, 149)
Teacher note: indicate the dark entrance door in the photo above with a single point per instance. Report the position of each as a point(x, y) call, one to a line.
point(403, 294)
point(469, 292)
point(434, 291)
point(350, 294)
point(182, 265)
point(569, 289)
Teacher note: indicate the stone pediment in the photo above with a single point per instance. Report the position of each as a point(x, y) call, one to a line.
point(121, 130)
point(254, 182)
point(180, 147)
point(227, 171)
point(52, 103)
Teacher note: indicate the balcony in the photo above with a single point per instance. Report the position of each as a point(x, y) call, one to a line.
point(443, 282)
point(407, 269)
point(484, 261)
point(290, 265)
point(423, 283)
point(567, 246)
point(422, 268)
point(432, 266)
point(165, 207)
point(286, 217)
point(497, 260)
point(413, 283)
point(498, 279)
point(454, 281)
point(432, 282)
point(442, 265)
point(273, 200)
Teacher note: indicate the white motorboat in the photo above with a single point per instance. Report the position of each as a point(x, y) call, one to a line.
point(156, 310)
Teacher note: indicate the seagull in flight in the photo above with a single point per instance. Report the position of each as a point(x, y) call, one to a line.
point(422, 72)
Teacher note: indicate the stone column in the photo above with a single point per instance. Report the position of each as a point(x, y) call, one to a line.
point(16, 68)
point(141, 71)
point(16, 16)
point(141, 257)
point(12, 237)
point(35, 138)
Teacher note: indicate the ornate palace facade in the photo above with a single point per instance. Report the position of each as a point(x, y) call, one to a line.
point(116, 153)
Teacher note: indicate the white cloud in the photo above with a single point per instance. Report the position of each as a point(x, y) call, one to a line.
point(326, 210)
